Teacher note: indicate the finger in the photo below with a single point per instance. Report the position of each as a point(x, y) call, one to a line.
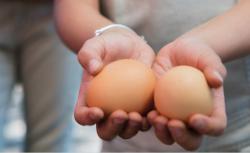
point(111, 127)
point(206, 125)
point(88, 116)
point(161, 130)
point(84, 115)
point(215, 79)
point(151, 116)
point(216, 123)
point(90, 55)
point(133, 126)
point(81, 94)
point(211, 65)
point(162, 62)
point(203, 57)
point(147, 56)
point(86, 78)
point(214, 71)
point(145, 125)
point(186, 138)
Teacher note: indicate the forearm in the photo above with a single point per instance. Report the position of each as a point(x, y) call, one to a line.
point(228, 34)
point(76, 21)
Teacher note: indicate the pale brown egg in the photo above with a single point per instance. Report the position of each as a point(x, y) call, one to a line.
point(182, 92)
point(124, 84)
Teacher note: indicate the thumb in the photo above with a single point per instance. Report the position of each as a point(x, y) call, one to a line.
point(213, 69)
point(90, 55)
point(215, 77)
point(194, 52)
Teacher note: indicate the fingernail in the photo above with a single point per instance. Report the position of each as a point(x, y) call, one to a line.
point(218, 76)
point(118, 121)
point(199, 124)
point(94, 65)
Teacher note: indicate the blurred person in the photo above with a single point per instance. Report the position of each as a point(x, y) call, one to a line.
point(161, 22)
point(30, 51)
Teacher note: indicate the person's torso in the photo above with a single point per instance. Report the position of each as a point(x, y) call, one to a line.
point(161, 21)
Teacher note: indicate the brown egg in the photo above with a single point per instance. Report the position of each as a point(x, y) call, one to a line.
point(124, 84)
point(182, 92)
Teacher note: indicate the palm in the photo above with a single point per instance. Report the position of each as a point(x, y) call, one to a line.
point(196, 54)
point(192, 54)
point(107, 48)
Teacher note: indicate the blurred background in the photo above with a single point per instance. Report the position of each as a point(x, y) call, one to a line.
point(32, 54)
point(85, 138)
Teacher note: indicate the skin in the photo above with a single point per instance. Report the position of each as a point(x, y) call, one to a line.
point(96, 53)
point(224, 37)
point(189, 135)
point(77, 28)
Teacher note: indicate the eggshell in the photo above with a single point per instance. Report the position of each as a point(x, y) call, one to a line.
point(124, 84)
point(182, 92)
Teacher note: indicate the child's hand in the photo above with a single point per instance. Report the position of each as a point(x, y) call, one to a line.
point(193, 52)
point(112, 45)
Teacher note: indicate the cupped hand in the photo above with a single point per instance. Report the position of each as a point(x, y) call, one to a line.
point(196, 53)
point(112, 45)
